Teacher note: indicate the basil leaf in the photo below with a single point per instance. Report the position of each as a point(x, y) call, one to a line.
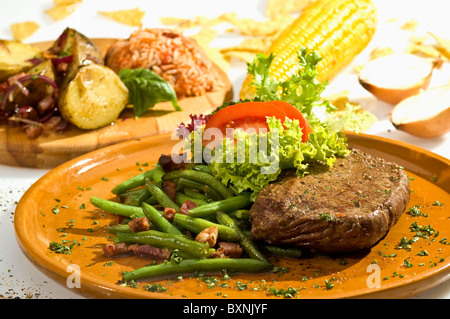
point(146, 89)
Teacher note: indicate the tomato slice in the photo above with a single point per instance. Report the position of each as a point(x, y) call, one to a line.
point(252, 115)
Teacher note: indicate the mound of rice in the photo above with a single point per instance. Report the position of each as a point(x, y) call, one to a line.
point(177, 59)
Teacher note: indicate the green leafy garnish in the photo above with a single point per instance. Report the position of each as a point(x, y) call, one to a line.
point(251, 161)
point(146, 89)
point(253, 167)
point(326, 142)
point(303, 90)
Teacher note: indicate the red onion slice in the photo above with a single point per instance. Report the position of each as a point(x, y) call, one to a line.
point(22, 88)
point(65, 59)
point(23, 79)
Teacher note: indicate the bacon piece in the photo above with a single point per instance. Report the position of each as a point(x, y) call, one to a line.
point(28, 113)
point(170, 188)
point(51, 124)
point(168, 165)
point(46, 104)
point(169, 212)
point(139, 224)
point(230, 250)
point(152, 252)
point(62, 67)
point(187, 206)
point(111, 250)
point(33, 130)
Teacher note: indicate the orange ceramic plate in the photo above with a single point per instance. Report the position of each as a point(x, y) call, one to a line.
point(57, 209)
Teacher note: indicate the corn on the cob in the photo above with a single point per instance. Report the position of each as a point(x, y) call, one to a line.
point(337, 30)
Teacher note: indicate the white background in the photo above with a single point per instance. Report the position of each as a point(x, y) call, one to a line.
point(18, 278)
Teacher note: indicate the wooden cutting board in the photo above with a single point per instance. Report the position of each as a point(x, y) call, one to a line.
point(16, 149)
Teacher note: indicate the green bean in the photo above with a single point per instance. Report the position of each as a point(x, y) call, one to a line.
point(136, 181)
point(211, 193)
point(164, 240)
point(136, 197)
point(226, 205)
point(151, 200)
point(117, 208)
point(194, 194)
point(207, 190)
point(202, 168)
point(247, 244)
point(160, 196)
point(161, 223)
point(157, 177)
point(292, 252)
point(126, 220)
point(119, 228)
point(246, 265)
point(182, 254)
point(200, 177)
point(181, 198)
point(196, 225)
point(241, 214)
point(187, 183)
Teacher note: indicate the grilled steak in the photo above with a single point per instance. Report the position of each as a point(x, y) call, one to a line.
point(348, 207)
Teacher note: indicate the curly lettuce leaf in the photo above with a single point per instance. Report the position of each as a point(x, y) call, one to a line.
point(258, 160)
point(303, 90)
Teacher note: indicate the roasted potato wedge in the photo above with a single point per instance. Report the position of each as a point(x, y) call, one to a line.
point(81, 48)
point(93, 98)
point(15, 57)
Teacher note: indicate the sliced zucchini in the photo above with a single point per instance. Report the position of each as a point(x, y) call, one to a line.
point(15, 57)
point(93, 98)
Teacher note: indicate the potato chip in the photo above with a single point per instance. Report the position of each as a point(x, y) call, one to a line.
point(256, 28)
point(379, 52)
point(410, 25)
point(179, 24)
point(204, 38)
point(218, 58)
point(65, 2)
point(443, 45)
point(418, 39)
point(245, 56)
point(131, 17)
point(254, 45)
point(210, 22)
point(424, 50)
point(282, 8)
point(23, 30)
point(63, 8)
point(183, 24)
